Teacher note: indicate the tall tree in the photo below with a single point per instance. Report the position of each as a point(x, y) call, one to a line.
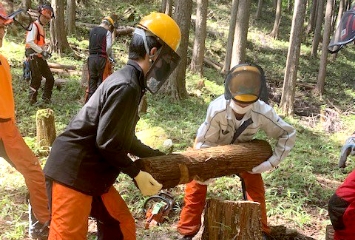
point(323, 60)
point(312, 18)
point(198, 51)
point(229, 49)
point(241, 32)
point(289, 84)
point(259, 10)
point(59, 40)
point(275, 31)
point(166, 6)
point(70, 21)
point(318, 28)
point(176, 85)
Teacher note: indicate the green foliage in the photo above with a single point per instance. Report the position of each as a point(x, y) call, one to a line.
point(297, 191)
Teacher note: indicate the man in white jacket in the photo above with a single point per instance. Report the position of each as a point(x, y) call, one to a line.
point(239, 108)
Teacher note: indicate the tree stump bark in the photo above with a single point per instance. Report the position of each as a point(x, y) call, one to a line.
point(203, 164)
point(45, 126)
point(231, 220)
point(329, 234)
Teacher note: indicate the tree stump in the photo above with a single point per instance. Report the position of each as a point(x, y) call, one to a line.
point(329, 234)
point(45, 126)
point(240, 220)
point(203, 164)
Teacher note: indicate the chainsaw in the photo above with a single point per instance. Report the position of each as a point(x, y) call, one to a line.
point(157, 209)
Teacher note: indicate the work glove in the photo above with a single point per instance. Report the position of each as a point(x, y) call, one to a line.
point(346, 150)
point(263, 167)
point(45, 55)
point(147, 184)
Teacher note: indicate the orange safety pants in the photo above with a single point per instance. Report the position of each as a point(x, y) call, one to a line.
point(14, 150)
point(71, 209)
point(195, 199)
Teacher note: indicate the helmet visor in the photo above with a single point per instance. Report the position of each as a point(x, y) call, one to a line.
point(163, 66)
point(345, 33)
point(244, 86)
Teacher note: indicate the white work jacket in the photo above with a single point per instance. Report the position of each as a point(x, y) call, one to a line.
point(220, 125)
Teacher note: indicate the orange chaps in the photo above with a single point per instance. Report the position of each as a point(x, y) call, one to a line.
point(14, 150)
point(195, 199)
point(71, 210)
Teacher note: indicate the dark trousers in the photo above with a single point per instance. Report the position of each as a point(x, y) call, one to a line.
point(39, 67)
point(96, 65)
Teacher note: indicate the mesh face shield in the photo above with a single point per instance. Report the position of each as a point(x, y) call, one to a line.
point(243, 84)
point(345, 33)
point(162, 67)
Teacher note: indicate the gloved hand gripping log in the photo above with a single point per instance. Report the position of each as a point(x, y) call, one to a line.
point(203, 164)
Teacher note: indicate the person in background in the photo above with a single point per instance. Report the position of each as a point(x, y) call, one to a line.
point(37, 55)
point(14, 149)
point(239, 108)
point(86, 159)
point(341, 205)
point(100, 49)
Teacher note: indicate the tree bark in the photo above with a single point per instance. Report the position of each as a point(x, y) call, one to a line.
point(176, 84)
point(45, 126)
point(318, 27)
point(203, 164)
point(229, 49)
point(70, 20)
point(259, 10)
point(196, 65)
point(323, 59)
point(293, 55)
point(231, 220)
point(241, 32)
point(166, 7)
point(275, 31)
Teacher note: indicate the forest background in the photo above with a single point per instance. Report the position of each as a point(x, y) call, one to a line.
point(297, 192)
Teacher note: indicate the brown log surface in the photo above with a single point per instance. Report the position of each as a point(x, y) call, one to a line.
point(238, 220)
point(203, 164)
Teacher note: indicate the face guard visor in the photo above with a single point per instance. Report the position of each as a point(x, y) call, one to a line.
point(243, 84)
point(345, 33)
point(164, 64)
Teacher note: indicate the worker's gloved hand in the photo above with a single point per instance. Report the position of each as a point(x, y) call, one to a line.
point(45, 55)
point(263, 167)
point(147, 184)
point(346, 150)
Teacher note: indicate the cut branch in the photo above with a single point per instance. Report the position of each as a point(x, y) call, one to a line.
point(202, 164)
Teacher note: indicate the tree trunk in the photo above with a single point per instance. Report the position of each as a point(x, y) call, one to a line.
point(70, 21)
point(166, 7)
point(231, 220)
point(275, 31)
point(241, 32)
point(176, 84)
point(323, 59)
point(200, 36)
point(329, 234)
point(259, 9)
point(312, 17)
point(289, 85)
point(229, 49)
point(203, 164)
point(318, 28)
point(59, 40)
point(45, 126)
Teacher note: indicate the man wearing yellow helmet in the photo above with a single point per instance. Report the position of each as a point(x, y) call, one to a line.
point(100, 48)
point(236, 117)
point(87, 157)
point(14, 149)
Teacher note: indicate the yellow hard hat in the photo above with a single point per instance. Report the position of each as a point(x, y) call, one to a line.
point(109, 19)
point(164, 27)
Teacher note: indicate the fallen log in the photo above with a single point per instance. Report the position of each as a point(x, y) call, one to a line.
point(61, 66)
point(203, 164)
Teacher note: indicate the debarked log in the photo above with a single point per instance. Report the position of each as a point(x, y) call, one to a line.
point(203, 164)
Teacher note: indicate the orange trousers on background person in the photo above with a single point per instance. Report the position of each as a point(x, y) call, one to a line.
point(71, 209)
point(195, 200)
point(15, 150)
